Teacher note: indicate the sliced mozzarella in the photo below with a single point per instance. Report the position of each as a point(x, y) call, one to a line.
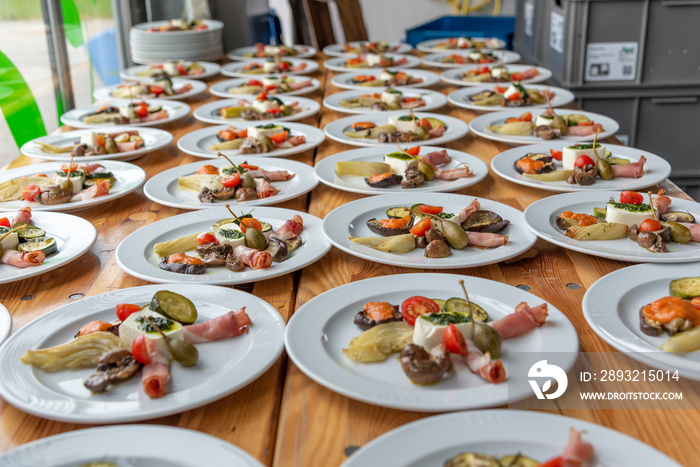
point(623, 216)
point(391, 97)
point(130, 329)
point(386, 76)
point(269, 67)
point(271, 80)
point(510, 91)
point(258, 131)
point(373, 59)
point(398, 162)
point(428, 335)
point(127, 111)
point(498, 71)
point(571, 153)
point(544, 121)
point(464, 42)
point(264, 106)
point(88, 138)
point(171, 68)
point(234, 231)
point(403, 125)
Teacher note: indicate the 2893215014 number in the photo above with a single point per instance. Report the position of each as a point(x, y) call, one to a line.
point(638, 375)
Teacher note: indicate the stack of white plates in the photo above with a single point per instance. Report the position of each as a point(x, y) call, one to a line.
point(157, 47)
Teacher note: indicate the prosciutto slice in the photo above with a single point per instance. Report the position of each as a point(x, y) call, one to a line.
point(436, 158)
point(577, 451)
point(694, 231)
point(486, 239)
point(584, 130)
point(232, 324)
point(156, 374)
point(297, 140)
point(632, 170)
point(454, 174)
point(264, 189)
point(272, 175)
point(661, 202)
point(161, 115)
point(252, 257)
point(22, 259)
point(300, 85)
point(464, 213)
point(524, 320)
point(290, 229)
point(480, 363)
point(24, 215)
point(90, 168)
point(100, 188)
point(436, 132)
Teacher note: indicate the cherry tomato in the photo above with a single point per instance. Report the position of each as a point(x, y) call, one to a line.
point(279, 137)
point(30, 192)
point(206, 237)
point(262, 96)
point(284, 66)
point(430, 209)
point(275, 111)
point(650, 225)
point(65, 168)
point(526, 117)
point(514, 97)
point(556, 462)
point(401, 76)
point(588, 123)
point(100, 139)
point(5, 222)
point(231, 180)
point(250, 222)
point(556, 155)
point(631, 197)
point(500, 89)
point(245, 165)
point(141, 110)
point(484, 69)
point(512, 120)
point(138, 348)
point(254, 82)
point(124, 310)
point(411, 99)
point(270, 87)
point(695, 302)
point(516, 77)
point(181, 69)
point(582, 161)
point(243, 133)
point(414, 151)
point(207, 170)
point(415, 306)
point(157, 90)
point(424, 122)
point(421, 227)
point(454, 340)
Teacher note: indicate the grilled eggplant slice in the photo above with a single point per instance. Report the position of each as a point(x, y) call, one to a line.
point(678, 216)
point(484, 221)
point(391, 227)
point(383, 180)
point(533, 163)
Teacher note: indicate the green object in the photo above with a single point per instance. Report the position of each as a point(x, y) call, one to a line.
point(686, 288)
point(174, 306)
point(47, 245)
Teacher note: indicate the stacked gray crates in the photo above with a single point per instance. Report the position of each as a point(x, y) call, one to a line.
point(637, 61)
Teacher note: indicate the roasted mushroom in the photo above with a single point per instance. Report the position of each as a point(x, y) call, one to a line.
point(484, 221)
point(113, 367)
point(437, 249)
point(53, 195)
point(422, 367)
point(545, 132)
point(246, 194)
point(277, 248)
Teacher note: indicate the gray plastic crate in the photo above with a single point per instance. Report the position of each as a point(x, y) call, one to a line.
point(527, 24)
point(620, 43)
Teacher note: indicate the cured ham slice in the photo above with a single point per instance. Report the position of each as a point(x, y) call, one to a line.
point(694, 231)
point(584, 130)
point(436, 132)
point(632, 170)
point(161, 115)
point(577, 451)
point(454, 174)
point(272, 175)
point(252, 257)
point(23, 216)
point(290, 229)
point(437, 158)
point(464, 213)
point(156, 374)
point(524, 320)
point(128, 146)
point(264, 189)
point(100, 188)
point(130, 133)
point(481, 364)
point(232, 324)
point(186, 88)
point(90, 168)
point(412, 104)
point(661, 202)
point(22, 259)
point(296, 140)
point(486, 239)
point(300, 85)
point(298, 68)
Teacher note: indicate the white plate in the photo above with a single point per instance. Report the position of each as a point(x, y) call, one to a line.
point(319, 330)
point(74, 236)
point(435, 60)
point(186, 448)
point(456, 128)
point(235, 69)
point(542, 436)
point(349, 220)
point(135, 253)
point(5, 323)
point(325, 171)
point(479, 124)
point(153, 138)
point(176, 110)
point(460, 98)
point(163, 188)
point(105, 94)
point(656, 169)
point(345, 80)
point(429, 45)
point(337, 50)
point(433, 100)
point(338, 63)
point(303, 51)
point(221, 89)
point(210, 69)
point(613, 313)
point(224, 366)
point(454, 75)
point(129, 177)
point(209, 113)
point(541, 216)
point(141, 30)
point(197, 143)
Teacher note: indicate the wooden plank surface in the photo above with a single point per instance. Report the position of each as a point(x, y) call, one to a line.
point(284, 418)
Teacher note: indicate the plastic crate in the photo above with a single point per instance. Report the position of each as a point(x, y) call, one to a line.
point(501, 27)
point(527, 24)
point(620, 43)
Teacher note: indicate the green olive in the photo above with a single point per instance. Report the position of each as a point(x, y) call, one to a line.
point(255, 239)
point(183, 352)
point(422, 132)
point(604, 168)
point(558, 123)
point(679, 233)
point(487, 339)
point(267, 142)
point(394, 106)
point(286, 110)
point(427, 170)
point(247, 181)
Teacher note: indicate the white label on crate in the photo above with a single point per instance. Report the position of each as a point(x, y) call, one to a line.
point(611, 61)
point(528, 14)
point(556, 32)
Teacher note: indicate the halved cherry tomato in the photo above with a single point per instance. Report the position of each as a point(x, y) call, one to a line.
point(650, 225)
point(582, 161)
point(207, 170)
point(411, 99)
point(254, 82)
point(100, 140)
point(250, 222)
point(588, 123)
point(141, 110)
point(124, 310)
point(206, 237)
point(500, 89)
point(243, 133)
point(157, 90)
point(421, 227)
point(363, 125)
point(231, 180)
point(30, 192)
point(270, 87)
point(414, 151)
point(275, 111)
point(454, 340)
point(401, 76)
point(139, 350)
point(484, 69)
point(516, 76)
point(514, 97)
point(526, 117)
point(415, 306)
point(430, 209)
point(279, 137)
point(245, 165)
point(695, 302)
point(424, 122)
point(283, 66)
point(65, 168)
point(181, 68)
point(262, 96)
point(5, 222)
point(556, 462)
point(631, 197)
point(556, 155)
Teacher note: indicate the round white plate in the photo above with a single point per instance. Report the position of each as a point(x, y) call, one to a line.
point(235, 69)
point(656, 169)
point(613, 313)
point(163, 188)
point(210, 69)
point(349, 220)
point(479, 124)
point(129, 177)
point(303, 51)
point(5, 323)
point(224, 366)
point(338, 63)
point(460, 98)
point(135, 253)
point(209, 113)
point(222, 88)
point(429, 45)
point(176, 110)
point(186, 448)
point(153, 138)
point(197, 143)
point(456, 128)
point(499, 432)
point(105, 94)
point(454, 75)
point(435, 60)
point(319, 330)
point(541, 216)
point(325, 171)
point(345, 80)
point(337, 50)
point(74, 236)
point(433, 100)
point(141, 30)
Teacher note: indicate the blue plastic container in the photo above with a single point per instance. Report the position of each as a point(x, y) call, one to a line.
point(103, 54)
point(501, 27)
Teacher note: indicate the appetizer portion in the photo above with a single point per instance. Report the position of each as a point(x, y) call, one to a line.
point(271, 66)
point(398, 129)
point(468, 43)
point(274, 50)
point(162, 86)
point(96, 144)
point(125, 114)
point(172, 70)
point(179, 25)
point(374, 60)
point(257, 139)
point(364, 47)
point(389, 99)
point(548, 125)
point(476, 56)
point(262, 108)
point(387, 78)
point(272, 85)
point(515, 95)
point(498, 74)
point(22, 244)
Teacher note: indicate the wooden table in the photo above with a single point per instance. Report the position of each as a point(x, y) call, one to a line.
point(284, 418)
